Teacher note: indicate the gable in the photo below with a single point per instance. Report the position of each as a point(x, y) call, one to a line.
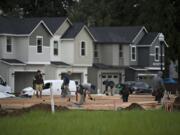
point(40, 31)
point(63, 28)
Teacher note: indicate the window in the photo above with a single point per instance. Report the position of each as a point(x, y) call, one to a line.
point(39, 43)
point(96, 55)
point(133, 53)
point(120, 51)
point(9, 44)
point(55, 47)
point(83, 48)
point(156, 53)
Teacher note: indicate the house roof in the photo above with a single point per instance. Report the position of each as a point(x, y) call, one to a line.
point(73, 30)
point(104, 66)
point(115, 34)
point(11, 25)
point(148, 38)
point(24, 26)
point(54, 23)
point(59, 63)
point(13, 61)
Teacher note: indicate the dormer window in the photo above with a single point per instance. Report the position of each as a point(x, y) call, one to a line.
point(157, 53)
point(83, 48)
point(9, 44)
point(39, 43)
point(133, 53)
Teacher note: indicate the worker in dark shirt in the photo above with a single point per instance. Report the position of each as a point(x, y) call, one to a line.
point(39, 83)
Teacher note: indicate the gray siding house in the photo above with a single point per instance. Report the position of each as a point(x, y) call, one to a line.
point(25, 45)
point(123, 54)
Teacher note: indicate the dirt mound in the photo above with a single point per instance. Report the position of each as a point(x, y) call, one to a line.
point(47, 107)
point(134, 106)
point(17, 112)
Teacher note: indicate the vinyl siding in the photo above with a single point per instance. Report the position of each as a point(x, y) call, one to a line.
point(1, 47)
point(67, 51)
point(22, 48)
point(126, 55)
point(40, 31)
point(143, 56)
point(88, 58)
point(5, 54)
point(152, 61)
point(55, 57)
point(106, 54)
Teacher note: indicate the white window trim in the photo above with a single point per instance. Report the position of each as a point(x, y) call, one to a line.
point(57, 47)
point(38, 37)
point(133, 46)
point(11, 45)
point(85, 48)
point(158, 54)
point(96, 50)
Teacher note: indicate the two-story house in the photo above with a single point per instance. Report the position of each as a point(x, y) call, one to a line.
point(123, 54)
point(71, 50)
point(54, 45)
point(25, 48)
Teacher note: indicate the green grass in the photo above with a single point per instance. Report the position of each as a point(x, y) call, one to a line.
point(92, 123)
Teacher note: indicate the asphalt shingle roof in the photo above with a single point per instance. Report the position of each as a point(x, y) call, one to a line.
point(115, 34)
point(73, 30)
point(148, 38)
point(104, 66)
point(12, 61)
point(59, 63)
point(11, 25)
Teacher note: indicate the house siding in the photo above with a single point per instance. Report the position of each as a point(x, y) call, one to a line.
point(67, 51)
point(4, 71)
point(63, 28)
point(126, 55)
point(22, 48)
point(88, 58)
point(1, 47)
point(143, 56)
point(55, 57)
point(40, 31)
point(33, 56)
point(92, 76)
point(136, 61)
point(5, 54)
point(152, 61)
point(106, 55)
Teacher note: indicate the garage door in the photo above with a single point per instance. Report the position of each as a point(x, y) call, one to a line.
point(115, 77)
point(23, 79)
point(76, 77)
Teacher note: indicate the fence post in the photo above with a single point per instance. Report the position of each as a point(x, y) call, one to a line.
point(52, 100)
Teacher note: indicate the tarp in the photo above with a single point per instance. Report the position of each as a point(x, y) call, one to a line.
point(6, 95)
point(170, 81)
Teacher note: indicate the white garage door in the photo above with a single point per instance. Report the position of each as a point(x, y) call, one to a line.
point(115, 77)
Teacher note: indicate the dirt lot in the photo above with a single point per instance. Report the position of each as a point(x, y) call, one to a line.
point(101, 102)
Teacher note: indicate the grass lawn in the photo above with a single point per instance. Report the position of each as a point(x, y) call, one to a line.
point(92, 123)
